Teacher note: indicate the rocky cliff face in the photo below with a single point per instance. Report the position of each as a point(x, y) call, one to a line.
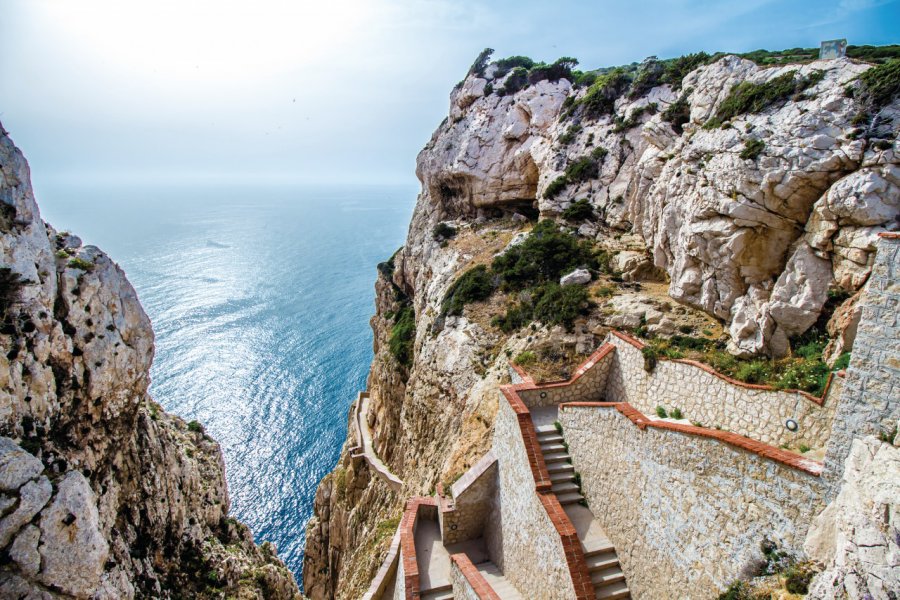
point(747, 226)
point(102, 494)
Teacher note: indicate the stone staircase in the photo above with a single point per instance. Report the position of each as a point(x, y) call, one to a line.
point(444, 592)
point(600, 555)
point(498, 582)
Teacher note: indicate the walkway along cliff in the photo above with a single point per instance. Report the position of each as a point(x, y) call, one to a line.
point(641, 341)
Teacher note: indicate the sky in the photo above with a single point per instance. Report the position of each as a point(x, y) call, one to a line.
point(336, 91)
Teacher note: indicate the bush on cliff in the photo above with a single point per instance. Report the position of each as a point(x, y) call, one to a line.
point(545, 255)
point(600, 98)
point(474, 285)
point(580, 210)
point(403, 334)
point(748, 97)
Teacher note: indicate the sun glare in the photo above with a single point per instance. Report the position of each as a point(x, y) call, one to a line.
point(184, 39)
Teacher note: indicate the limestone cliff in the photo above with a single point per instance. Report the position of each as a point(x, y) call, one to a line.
point(102, 494)
point(748, 219)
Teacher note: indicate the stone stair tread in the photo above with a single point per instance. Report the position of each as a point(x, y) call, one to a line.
point(569, 498)
point(548, 448)
point(495, 578)
point(562, 476)
point(439, 595)
point(600, 562)
point(615, 591)
point(607, 576)
point(545, 429)
point(600, 546)
point(556, 457)
point(564, 487)
point(549, 438)
point(561, 467)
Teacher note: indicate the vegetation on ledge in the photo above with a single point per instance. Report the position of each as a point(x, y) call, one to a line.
point(748, 97)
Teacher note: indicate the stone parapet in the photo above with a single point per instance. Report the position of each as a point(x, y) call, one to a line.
point(463, 516)
point(416, 508)
point(685, 511)
point(468, 583)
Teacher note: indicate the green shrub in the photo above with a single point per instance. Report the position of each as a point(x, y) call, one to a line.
point(545, 255)
point(403, 334)
point(386, 268)
point(582, 169)
point(677, 68)
point(600, 98)
point(679, 112)
point(648, 76)
point(443, 231)
point(676, 413)
point(748, 97)
point(555, 187)
point(488, 89)
point(481, 62)
point(808, 375)
point(561, 68)
point(474, 285)
point(755, 371)
point(797, 578)
point(504, 65)
point(752, 149)
point(803, 448)
point(516, 317)
point(525, 358)
point(195, 426)
point(599, 153)
point(842, 362)
point(634, 118)
point(736, 591)
point(874, 53)
point(580, 210)
point(80, 263)
point(877, 88)
point(569, 136)
point(560, 305)
point(661, 412)
point(605, 291)
point(651, 357)
point(517, 80)
point(558, 426)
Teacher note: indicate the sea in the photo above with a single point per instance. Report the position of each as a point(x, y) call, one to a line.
point(260, 298)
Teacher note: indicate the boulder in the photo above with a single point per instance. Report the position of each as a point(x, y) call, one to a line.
point(576, 277)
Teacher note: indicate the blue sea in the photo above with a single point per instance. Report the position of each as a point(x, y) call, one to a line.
point(260, 298)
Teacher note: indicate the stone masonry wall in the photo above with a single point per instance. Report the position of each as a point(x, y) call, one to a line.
point(711, 400)
point(869, 403)
point(588, 383)
point(463, 517)
point(521, 539)
point(685, 513)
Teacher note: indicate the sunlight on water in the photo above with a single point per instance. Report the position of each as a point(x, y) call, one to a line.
point(260, 300)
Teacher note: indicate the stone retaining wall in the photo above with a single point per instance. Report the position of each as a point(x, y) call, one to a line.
point(686, 513)
point(468, 583)
point(463, 516)
point(587, 383)
point(521, 539)
point(758, 412)
point(417, 508)
point(869, 403)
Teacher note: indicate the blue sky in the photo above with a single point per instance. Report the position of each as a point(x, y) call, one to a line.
point(345, 91)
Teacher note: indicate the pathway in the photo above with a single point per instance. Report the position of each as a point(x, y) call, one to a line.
point(365, 448)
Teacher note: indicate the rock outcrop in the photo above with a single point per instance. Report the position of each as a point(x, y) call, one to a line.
point(751, 245)
point(857, 537)
point(102, 494)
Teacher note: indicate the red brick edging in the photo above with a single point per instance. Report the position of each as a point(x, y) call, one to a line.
point(765, 450)
point(479, 584)
point(890, 235)
point(408, 545)
point(820, 400)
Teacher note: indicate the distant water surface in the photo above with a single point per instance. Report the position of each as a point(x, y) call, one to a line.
point(260, 299)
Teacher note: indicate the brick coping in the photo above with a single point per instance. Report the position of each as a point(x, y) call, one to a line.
point(820, 400)
point(530, 384)
point(889, 235)
point(408, 545)
point(789, 459)
point(476, 580)
point(574, 553)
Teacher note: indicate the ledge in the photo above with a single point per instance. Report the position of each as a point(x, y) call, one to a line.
point(387, 569)
point(744, 443)
point(583, 368)
point(820, 400)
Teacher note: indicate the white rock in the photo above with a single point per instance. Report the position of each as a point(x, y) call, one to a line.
point(16, 465)
point(576, 277)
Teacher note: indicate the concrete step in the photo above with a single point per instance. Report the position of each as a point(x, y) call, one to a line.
point(442, 592)
point(607, 576)
point(562, 476)
point(616, 591)
point(553, 447)
point(560, 467)
point(552, 457)
point(564, 487)
point(599, 562)
point(549, 437)
point(498, 582)
point(569, 498)
point(544, 430)
point(601, 547)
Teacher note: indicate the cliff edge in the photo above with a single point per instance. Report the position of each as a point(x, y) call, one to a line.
point(102, 494)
